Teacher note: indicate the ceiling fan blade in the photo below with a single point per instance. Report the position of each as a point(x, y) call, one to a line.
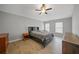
point(45, 12)
point(49, 9)
point(37, 10)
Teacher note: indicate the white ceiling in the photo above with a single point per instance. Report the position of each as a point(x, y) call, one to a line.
point(28, 10)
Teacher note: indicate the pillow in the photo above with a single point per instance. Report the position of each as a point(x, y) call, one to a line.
point(35, 29)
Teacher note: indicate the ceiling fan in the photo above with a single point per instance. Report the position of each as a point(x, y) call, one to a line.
point(43, 9)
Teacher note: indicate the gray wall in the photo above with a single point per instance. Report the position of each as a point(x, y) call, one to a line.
point(67, 23)
point(75, 20)
point(15, 25)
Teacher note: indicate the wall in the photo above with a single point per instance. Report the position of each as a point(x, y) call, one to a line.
point(75, 20)
point(67, 23)
point(15, 25)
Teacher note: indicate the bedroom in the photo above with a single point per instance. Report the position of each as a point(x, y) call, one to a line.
point(15, 19)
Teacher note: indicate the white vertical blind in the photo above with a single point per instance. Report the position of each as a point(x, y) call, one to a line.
point(59, 27)
point(47, 27)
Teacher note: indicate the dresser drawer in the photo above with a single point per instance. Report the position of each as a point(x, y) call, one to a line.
point(2, 49)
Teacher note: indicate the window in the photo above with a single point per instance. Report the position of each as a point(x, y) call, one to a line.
point(47, 27)
point(59, 27)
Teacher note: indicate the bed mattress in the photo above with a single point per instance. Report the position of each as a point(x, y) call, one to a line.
point(42, 35)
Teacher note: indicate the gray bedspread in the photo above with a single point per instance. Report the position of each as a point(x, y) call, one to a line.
point(42, 35)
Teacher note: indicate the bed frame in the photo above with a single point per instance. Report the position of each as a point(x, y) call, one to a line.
point(44, 43)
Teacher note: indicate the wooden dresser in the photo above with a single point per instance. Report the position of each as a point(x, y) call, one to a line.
point(70, 44)
point(3, 43)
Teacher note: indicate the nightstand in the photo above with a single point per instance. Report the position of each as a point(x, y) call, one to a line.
point(25, 36)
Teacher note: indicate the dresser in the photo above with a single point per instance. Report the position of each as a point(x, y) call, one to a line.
point(3, 43)
point(70, 44)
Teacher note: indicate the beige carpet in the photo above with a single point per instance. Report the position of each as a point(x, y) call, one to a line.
point(28, 47)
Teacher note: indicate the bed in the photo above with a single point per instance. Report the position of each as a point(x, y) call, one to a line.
point(42, 37)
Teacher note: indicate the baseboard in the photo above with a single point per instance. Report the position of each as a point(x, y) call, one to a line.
point(14, 40)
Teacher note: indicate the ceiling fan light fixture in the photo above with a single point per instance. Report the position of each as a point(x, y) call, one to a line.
point(43, 10)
